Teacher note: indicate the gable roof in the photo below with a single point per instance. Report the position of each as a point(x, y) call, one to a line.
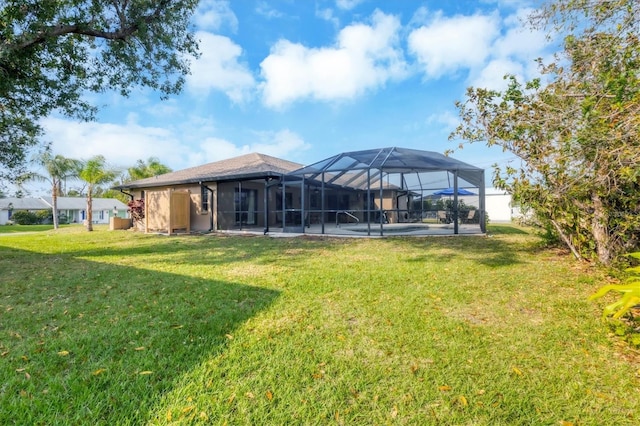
point(80, 203)
point(27, 203)
point(249, 166)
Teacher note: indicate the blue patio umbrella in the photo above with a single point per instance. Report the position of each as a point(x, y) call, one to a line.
point(450, 191)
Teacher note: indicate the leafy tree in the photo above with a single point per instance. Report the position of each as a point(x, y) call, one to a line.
point(576, 129)
point(94, 172)
point(53, 52)
point(144, 169)
point(58, 169)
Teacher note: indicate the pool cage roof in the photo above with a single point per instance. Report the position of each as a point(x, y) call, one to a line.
point(391, 160)
point(411, 171)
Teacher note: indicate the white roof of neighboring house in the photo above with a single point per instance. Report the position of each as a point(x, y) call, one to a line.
point(64, 203)
point(80, 203)
point(23, 204)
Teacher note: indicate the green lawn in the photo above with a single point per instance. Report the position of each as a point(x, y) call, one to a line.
point(14, 229)
point(110, 328)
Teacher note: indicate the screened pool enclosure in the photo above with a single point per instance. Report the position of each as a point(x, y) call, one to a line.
point(380, 192)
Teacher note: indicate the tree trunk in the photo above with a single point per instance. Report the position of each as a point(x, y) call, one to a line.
point(600, 232)
point(566, 240)
point(54, 202)
point(89, 210)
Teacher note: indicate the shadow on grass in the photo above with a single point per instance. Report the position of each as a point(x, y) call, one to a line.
point(214, 249)
point(85, 342)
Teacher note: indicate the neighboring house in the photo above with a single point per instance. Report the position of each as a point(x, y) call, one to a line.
point(497, 204)
point(73, 208)
point(10, 205)
point(257, 191)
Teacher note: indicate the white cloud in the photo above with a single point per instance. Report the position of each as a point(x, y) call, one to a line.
point(364, 57)
point(448, 120)
point(282, 144)
point(446, 45)
point(492, 75)
point(514, 52)
point(327, 15)
point(347, 4)
point(213, 15)
point(122, 145)
point(263, 8)
point(219, 69)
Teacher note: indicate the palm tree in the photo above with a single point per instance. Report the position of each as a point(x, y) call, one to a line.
point(58, 169)
point(94, 172)
point(152, 167)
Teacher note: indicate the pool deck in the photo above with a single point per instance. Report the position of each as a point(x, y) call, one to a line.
point(363, 231)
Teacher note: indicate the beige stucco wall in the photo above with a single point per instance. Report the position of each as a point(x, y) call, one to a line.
point(199, 220)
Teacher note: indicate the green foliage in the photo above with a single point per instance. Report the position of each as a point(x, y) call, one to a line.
point(94, 172)
point(53, 52)
point(45, 216)
point(24, 217)
point(630, 293)
point(58, 169)
point(579, 134)
point(144, 169)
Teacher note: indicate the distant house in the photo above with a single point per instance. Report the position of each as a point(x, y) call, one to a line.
point(73, 208)
point(10, 205)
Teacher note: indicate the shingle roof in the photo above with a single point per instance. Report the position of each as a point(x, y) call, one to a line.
point(247, 166)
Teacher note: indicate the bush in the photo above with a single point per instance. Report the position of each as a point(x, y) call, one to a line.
point(45, 216)
point(23, 217)
point(630, 293)
point(136, 210)
point(63, 219)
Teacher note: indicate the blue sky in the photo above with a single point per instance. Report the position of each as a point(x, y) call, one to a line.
point(304, 80)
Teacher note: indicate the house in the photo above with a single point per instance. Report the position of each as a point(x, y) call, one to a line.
point(224, 194)
point(71, 208)
point(10, 205)
point(75, 208)
point(261, 192)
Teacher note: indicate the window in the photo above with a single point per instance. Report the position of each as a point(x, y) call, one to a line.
point(101, 215)
point(246, 202)
point(204, 199)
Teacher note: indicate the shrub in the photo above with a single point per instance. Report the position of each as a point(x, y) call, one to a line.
point(24, 217)
point(630, 296)
point(136, 210)
point(44, 216)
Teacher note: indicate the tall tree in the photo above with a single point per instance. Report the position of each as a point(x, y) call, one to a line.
point(578, 134)
point(95, 172)
point(58, 168)
point(150, 168)
point(53, 52)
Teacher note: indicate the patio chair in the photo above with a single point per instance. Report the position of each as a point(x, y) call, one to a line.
point(442, 216)
point(470, 216)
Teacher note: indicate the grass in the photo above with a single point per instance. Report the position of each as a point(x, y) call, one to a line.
point(125, 328)
point(14, 229)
